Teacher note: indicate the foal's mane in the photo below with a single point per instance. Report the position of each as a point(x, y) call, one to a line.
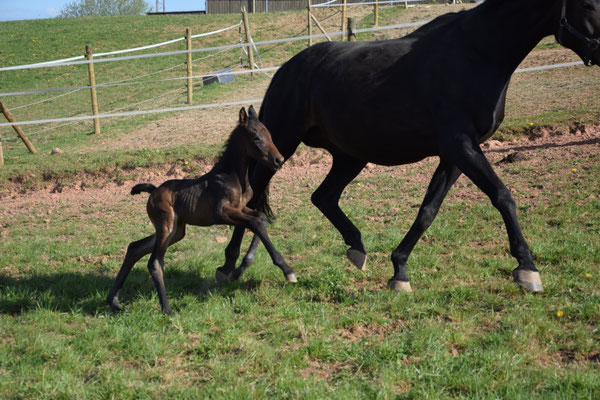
point(226, 155)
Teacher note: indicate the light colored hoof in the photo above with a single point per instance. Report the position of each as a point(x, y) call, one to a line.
point(291, 278)
point(400, 286)
point(529, 280)
point(357, 258)
point(221, 277)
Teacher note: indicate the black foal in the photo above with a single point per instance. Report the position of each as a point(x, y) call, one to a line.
point(217, 198)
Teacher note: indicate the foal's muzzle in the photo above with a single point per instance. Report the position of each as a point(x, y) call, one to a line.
point(277, 162)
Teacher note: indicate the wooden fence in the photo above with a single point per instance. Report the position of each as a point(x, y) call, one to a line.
point(234, 6)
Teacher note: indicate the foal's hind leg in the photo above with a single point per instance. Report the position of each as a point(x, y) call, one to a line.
point(166, 235)
point(443, 179)
point(327, 196)
point(135, 251)
point(473, 163)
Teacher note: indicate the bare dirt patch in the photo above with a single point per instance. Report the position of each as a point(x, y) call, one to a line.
point(310, 167)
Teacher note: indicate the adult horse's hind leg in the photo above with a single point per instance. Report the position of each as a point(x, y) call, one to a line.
point(135, 251)
point(327, 196)
point(473, 163)
point(443, 179)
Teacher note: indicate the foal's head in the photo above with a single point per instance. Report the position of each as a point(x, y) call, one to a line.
point(259, 144)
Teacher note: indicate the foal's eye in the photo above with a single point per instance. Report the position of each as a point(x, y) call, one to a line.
point(589, 7)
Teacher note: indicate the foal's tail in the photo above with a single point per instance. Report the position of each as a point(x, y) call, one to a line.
point(143, 187)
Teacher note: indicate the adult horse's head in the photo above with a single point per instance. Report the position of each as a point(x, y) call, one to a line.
point(579, 29)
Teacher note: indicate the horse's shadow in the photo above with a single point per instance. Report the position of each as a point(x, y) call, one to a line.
point(85, 293)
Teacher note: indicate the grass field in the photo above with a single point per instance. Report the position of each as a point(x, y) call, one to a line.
point(466, 332)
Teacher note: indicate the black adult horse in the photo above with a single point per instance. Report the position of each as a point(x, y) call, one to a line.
point(439, 91)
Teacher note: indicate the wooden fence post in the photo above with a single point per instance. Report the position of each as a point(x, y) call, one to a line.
point(351, 29)
point(248, 41)
point(309, 23)
point(376, 13)
point(343, 19)
point(17, 128)
point(1, 151)
point(90, 57)
point(190, 89)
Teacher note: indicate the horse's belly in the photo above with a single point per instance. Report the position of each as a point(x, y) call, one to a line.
point(375, 143)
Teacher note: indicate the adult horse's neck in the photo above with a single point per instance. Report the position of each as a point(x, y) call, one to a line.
point(507, 30)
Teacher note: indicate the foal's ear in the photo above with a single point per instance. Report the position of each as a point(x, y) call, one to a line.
point(252, 113)
point(243, 117)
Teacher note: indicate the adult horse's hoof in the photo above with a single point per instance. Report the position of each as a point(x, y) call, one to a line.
point(529, 280)
point(291, 278)
point(114, 305)
point(399, 286)
point(357, 258)
point(222, 277)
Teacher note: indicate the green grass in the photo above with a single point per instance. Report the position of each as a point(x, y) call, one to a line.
point(467, 332)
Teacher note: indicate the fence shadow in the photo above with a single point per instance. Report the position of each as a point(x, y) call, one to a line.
point(85, 293)
point(547, 145)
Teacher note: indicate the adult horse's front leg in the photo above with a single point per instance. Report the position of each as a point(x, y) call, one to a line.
point(327, 196)
point(443, 179)
point(469, 158)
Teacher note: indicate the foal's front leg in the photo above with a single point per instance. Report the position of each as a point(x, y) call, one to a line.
point(258, 225)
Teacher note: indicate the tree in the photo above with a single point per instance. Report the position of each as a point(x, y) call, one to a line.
point(86, 8)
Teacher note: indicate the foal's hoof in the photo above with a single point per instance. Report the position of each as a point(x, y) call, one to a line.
point(399, 286)
point(221, 277)
point(529, 280)
point(291, 278)
point(357, 258)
